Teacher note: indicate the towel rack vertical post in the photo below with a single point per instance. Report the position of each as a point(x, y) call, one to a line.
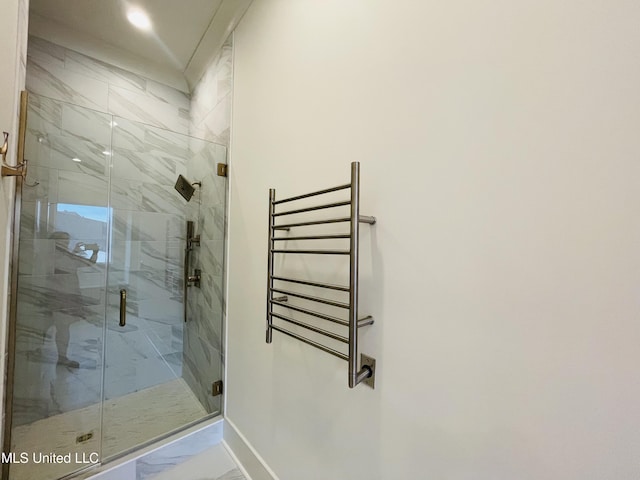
point(272, 198)
point(353, 273)
point(355, 375)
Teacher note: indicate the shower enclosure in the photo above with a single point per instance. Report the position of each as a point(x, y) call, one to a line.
point(113, 347)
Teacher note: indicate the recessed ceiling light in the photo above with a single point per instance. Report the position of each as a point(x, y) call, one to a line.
point(139, 19)
point(106, 152)
point(76, 159)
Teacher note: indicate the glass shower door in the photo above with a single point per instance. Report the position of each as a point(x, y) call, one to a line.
point(57, 388)
point(150, 380)
point(101, 222)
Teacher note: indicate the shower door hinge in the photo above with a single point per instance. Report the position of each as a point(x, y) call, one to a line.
point(216, 388)
point(84, 438)
point(222, 170)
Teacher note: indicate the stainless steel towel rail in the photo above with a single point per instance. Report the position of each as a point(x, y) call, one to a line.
point(366, 372)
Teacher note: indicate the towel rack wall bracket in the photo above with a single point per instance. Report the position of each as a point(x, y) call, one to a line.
point(369, 363)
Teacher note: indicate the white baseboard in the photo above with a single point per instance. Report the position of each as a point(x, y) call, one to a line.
point(254, 465)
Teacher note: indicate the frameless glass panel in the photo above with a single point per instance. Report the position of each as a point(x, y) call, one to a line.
point(61, 289)
point(156, 374)
point(202, 357)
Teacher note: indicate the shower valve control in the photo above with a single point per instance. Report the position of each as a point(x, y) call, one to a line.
point(194, 280)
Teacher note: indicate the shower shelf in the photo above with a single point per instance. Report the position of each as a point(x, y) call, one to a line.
point(366, 372)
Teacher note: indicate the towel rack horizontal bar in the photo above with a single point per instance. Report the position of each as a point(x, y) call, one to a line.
point(310, 209)
point(319, 252)
point(363, 322)
point(321, 331)
point(363, 219)
point(286, 226)
point(311, 342)
point(312, 313)
point(313, 284)
point(313, 299)
point(314, 237)
point(313, 194)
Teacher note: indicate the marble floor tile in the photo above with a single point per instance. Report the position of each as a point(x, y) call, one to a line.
point(142, 416)
point(215, 463)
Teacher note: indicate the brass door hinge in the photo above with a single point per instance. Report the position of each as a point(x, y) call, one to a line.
point(216, 388)
point(222, 169)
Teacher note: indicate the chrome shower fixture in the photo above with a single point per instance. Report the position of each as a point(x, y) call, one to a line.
point(186, 188)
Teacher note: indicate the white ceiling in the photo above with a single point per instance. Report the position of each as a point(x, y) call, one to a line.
point(185, 35)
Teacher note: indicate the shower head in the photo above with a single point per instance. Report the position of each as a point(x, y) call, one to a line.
point(185, 188)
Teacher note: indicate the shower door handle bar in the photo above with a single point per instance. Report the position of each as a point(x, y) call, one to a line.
point(123, 308)
point(185, 282)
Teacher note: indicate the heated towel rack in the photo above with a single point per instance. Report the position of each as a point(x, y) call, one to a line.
point(366, 372)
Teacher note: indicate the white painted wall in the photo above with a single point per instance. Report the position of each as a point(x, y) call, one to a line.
point(500, 152)
point(13, 54)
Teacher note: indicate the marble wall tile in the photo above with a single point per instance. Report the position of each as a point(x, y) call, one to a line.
point(128, 135)
point(44, 114)
point(214, 86)
point(60, 389)
point(34, 219)
point(36, 257)
point(150, 293)
point(43, 52)
point(168, 95)
point(41, 185)
point(90, 67)
point(145, 109)
point(141, 255)
point(83, 189)
point(172, 143)
point(162, 309)
point(63, 74)
point(58, 151)
point(146, 197)
point(160, 167)
point(87, 125)
point(147, 226)
point(60, 84)
point(215, 126)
